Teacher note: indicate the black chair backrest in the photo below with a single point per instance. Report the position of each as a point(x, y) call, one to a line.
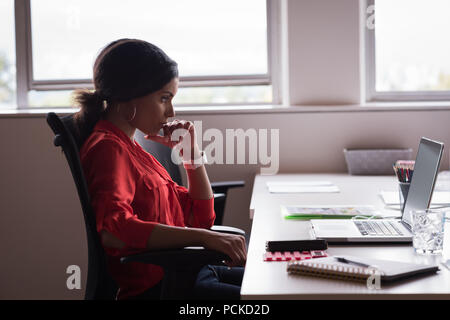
point(99, 283)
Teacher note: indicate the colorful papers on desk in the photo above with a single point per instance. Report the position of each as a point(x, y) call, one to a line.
point(301, 187)
point(293, 255)
point(327, 212)
point(393, 198)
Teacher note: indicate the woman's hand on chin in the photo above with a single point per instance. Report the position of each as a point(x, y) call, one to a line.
point(169, 139)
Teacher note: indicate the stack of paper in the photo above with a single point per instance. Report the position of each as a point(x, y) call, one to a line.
point(393, 197)
point(301, 187)
point(442, 181)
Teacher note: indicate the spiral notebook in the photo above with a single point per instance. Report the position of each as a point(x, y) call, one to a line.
point(330, 267)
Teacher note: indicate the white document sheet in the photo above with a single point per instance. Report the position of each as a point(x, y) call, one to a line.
point(392, 197)
point(301, 187)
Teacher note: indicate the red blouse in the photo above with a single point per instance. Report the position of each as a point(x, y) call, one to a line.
point(130, 193)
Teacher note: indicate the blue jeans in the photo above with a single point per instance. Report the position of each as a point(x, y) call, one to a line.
point(219, 282)
point(212, 283)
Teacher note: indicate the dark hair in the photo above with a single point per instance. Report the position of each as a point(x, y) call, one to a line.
point(125, 69)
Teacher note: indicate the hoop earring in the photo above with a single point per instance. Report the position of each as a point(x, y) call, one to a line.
point(134, 112)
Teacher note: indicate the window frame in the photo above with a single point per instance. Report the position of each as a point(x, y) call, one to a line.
point(26, 83)
point(370, 68)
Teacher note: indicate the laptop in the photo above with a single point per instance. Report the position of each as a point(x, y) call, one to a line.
point(390, 230)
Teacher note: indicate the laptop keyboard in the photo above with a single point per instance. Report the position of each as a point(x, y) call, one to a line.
point(377, 228)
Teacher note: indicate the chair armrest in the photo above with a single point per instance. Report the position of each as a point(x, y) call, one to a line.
point(227, 229)
point(219, 196)
point(223, 186)
point(178, 258)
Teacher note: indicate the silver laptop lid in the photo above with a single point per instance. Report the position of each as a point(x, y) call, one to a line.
point(425, 171)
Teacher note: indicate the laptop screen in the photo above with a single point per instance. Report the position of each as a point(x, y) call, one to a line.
point(425, 171)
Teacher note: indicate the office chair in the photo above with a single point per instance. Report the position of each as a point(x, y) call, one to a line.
point(163, 154)
point(179, 264)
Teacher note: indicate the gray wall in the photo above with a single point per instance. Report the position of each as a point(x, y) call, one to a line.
point(41, 226)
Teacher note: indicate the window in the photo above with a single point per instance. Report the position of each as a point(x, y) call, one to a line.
point(407, 50)
point(222, 47)
point(7, 55)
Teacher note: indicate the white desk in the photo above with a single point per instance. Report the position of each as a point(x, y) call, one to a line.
point(269, 280)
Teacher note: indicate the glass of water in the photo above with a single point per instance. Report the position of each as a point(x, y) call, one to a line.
point(428, 230)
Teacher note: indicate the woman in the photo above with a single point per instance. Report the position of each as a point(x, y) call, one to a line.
point(138, 207)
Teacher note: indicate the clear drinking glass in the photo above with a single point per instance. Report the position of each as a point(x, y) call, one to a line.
point(428, 230)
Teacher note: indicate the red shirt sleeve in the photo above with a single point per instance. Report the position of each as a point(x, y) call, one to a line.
point(111, 180)
point(198, 213)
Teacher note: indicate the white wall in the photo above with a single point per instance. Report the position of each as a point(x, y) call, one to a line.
point(41, 226)
point(323, 52)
